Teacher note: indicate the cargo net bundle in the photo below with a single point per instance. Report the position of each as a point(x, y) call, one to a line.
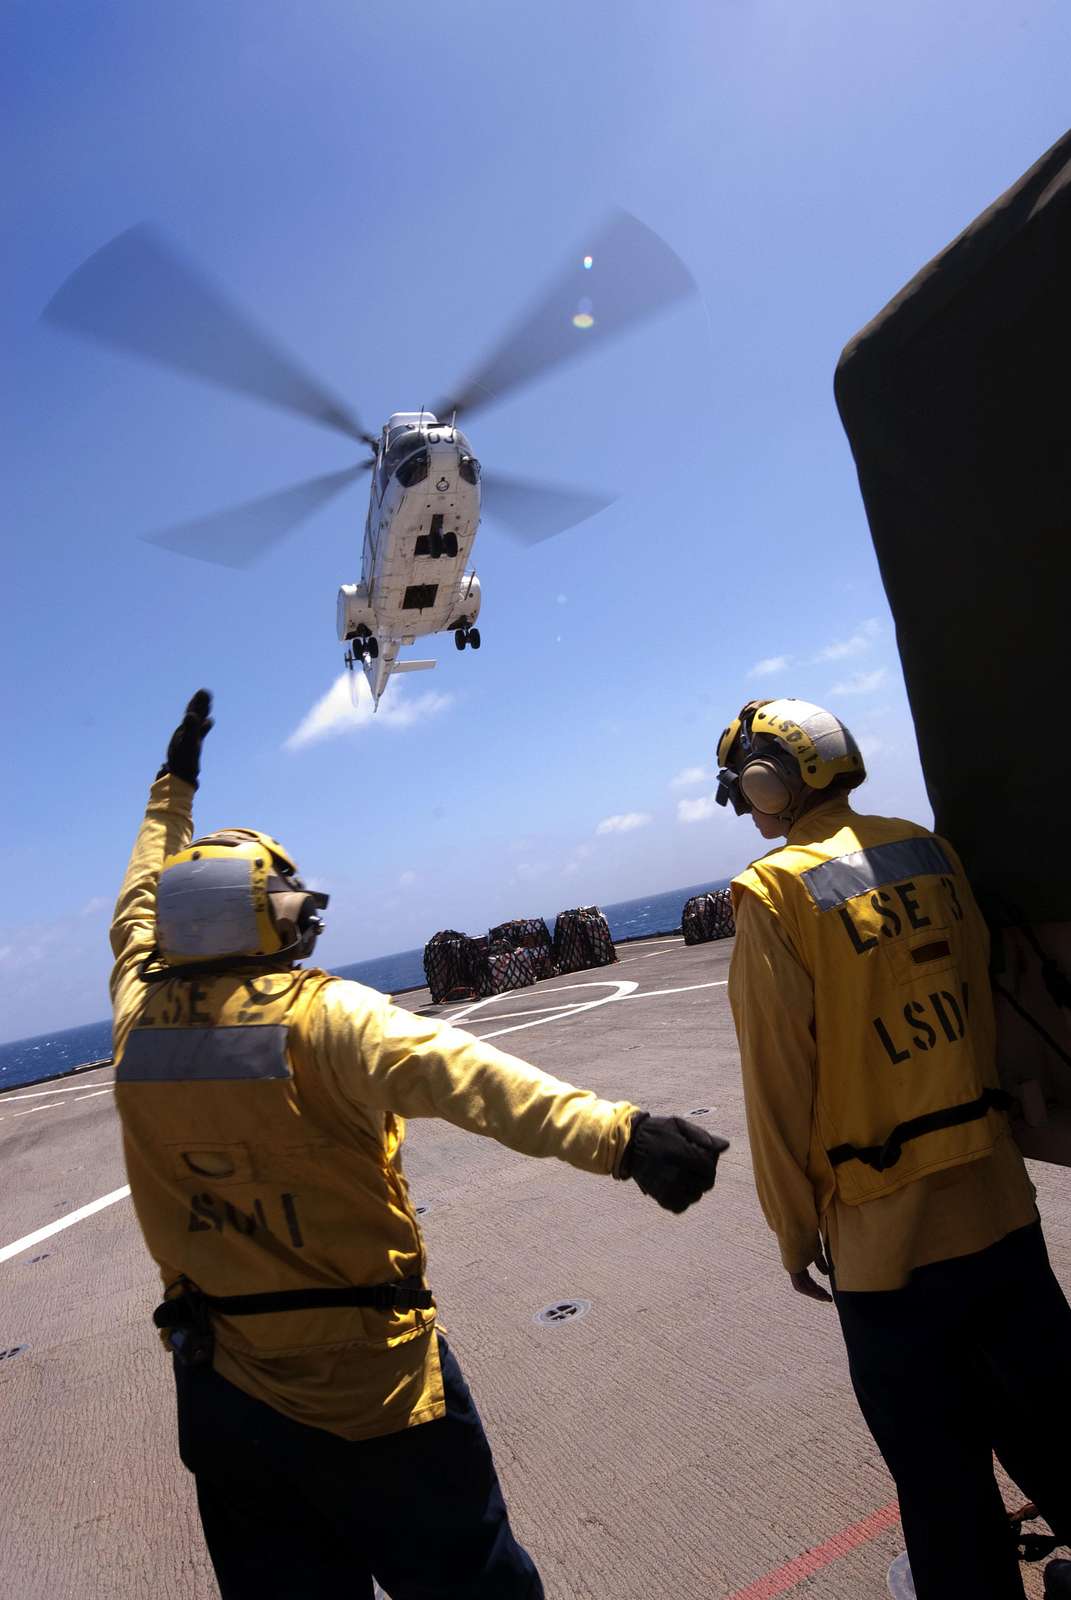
point(519, 953)
point(582, 939)
point(510, 956)
point(455, 966)
point(708, 916)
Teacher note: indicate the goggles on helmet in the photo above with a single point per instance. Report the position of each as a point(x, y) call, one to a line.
point(734, 748)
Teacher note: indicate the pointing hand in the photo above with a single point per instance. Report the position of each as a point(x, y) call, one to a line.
point(672, 1160)
point(184, 751)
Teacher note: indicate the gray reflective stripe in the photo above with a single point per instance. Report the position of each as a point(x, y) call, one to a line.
point(205, 908)
point(204, 1055)
point(834, 882)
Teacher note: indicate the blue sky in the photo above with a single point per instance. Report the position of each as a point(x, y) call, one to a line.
point(384, 188)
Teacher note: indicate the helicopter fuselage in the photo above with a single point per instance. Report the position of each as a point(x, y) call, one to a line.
point(423, 513)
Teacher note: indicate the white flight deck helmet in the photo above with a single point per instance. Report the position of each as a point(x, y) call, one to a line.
point(778, 756)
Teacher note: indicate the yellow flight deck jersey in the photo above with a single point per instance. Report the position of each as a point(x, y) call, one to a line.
point(262, 1119)
point(860, 993)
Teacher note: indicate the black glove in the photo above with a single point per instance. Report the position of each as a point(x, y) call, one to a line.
point(671, 1159)
point(1057, 1579)
point(184, 751)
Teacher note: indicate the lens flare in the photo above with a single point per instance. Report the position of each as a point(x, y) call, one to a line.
point(587, 263)
point(583, 317)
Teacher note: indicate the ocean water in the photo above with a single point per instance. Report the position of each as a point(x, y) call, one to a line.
point(51, 1054)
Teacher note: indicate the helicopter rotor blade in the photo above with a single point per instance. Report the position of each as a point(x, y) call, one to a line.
point(633, 274)
point(239, 535)
point(139, 293)
point(532, 512)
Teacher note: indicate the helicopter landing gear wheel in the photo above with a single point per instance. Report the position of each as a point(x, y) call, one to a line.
point(474, 638)
point(450, 545)
point(459, 638)
point(371, 645)
point(435, 545)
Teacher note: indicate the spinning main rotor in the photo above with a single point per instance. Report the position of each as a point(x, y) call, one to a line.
point(139, 294)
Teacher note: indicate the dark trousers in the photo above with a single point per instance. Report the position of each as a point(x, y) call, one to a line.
point(295, 1513)
point(972, 1356)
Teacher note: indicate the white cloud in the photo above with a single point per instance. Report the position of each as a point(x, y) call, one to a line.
point(407, 880)
point(690, 776)
point(580, 854)
point(624, 822)
point(563, 599)
point(99, 902)
point(699, 810)
point(861, 640)
point(336, 713)
point(862, 683)
point(525, 871)
point(769, 665)
point(870, 744)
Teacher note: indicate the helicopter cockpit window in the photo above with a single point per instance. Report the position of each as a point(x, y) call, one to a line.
point(407, 455)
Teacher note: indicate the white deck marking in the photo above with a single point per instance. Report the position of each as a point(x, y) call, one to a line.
point(620, 986)
point(651, 994)
point(626, 990)
point(54, 1107)
point(93, 1095)
point(563, 1010)
point(43, 1094)
point(10, 1250)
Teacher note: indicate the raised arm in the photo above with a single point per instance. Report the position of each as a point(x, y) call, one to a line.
point(166, 828)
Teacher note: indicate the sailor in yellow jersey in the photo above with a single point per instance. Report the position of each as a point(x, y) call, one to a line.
point(326, 1421)
point(881, 1149)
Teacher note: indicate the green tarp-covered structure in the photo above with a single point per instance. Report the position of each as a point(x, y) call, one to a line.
point(957, 402)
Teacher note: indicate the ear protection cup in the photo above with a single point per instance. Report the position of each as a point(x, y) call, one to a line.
point(766, 787)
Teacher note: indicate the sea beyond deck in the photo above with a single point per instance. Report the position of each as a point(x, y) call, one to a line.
point(691, 1435)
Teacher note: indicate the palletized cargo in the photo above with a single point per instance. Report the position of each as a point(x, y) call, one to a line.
point(708, 916)
point(582, 939)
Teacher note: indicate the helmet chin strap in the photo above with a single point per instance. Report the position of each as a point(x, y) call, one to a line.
point(154, 970)
point(809, 800)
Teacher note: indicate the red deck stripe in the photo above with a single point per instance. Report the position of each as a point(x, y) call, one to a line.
point(784, 1578)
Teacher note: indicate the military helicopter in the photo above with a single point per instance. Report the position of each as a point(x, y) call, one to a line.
point(140, 294)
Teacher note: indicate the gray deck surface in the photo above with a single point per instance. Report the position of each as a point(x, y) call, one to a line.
point(688, 1437)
